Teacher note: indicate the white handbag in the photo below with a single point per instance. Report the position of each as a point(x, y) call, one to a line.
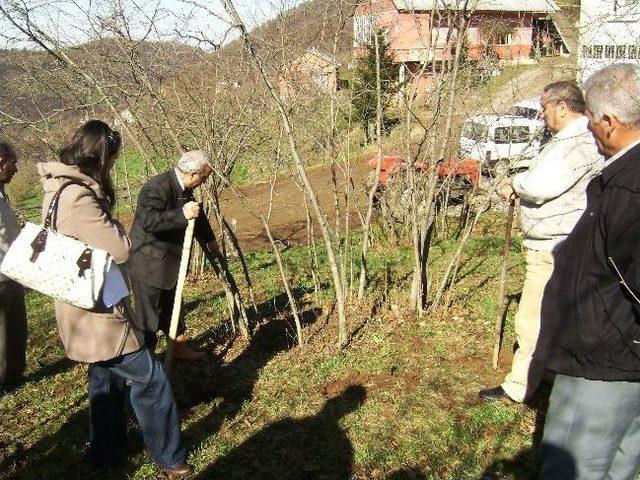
point(57, 265)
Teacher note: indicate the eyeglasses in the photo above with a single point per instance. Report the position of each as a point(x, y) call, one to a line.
point(114, 140)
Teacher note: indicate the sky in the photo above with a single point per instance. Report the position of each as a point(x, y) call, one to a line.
point(75, 21)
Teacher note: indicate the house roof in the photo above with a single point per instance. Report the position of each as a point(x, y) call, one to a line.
point(327, 57)
point(537, 6)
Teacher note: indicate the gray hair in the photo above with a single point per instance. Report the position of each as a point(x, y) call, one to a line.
point(615, 90)
point(194, 161)
point(567, 92)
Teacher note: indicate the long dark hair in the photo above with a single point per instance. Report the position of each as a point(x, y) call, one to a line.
point(92, 149)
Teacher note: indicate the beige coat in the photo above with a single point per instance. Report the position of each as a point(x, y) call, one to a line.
point(89, 335)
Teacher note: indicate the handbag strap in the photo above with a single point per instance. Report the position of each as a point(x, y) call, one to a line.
point(51, 219)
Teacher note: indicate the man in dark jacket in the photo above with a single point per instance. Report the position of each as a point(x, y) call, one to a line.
point(165, 205)
point(13, 317)
point(591, 312)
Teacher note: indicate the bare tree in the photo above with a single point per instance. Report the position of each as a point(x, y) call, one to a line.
point(309, 190)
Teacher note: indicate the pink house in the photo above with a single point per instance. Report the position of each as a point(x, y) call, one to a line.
point(425, 31)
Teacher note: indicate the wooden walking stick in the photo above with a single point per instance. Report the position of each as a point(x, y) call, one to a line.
point(177, 301)
point(503, 282)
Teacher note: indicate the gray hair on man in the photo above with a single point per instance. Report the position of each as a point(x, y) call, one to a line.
point(194, 161)
point(615, 90)
point(567, 92)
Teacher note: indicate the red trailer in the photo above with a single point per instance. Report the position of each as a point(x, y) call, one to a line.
point(465, 169)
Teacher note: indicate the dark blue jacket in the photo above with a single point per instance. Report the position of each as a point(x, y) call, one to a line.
point(590, 321)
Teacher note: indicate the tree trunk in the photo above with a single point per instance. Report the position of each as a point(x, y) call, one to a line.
point(313, 198)
point(372, 192)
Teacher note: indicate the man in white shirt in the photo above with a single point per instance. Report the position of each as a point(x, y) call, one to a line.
point(13, 318)
point(552, 197)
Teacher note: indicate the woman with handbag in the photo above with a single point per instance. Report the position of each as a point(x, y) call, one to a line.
point(105, 337)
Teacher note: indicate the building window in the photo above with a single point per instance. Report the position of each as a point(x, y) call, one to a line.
point(320, 80)
point(497, 32)
point(609, 51)
point(503, 39)
point(593, 51)
point(364, 29)
point(631, 52)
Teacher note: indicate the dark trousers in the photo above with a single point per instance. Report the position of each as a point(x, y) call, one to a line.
point(13, 332)
point(151, 399)
point(153, 311)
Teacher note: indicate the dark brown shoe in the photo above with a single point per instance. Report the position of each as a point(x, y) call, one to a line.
point(178, 472)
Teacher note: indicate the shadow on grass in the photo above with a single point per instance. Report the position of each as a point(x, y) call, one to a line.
point(405, 474)
point(508, 301)
point(189, 307)
point(525, 464)
point(229, 386)
point(34, 461)
point(276, 305)
point(313, 447)
point(61, 455)
point(49, 370)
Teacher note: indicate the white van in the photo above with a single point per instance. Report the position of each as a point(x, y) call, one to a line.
point(529, 108)
point(501, 141)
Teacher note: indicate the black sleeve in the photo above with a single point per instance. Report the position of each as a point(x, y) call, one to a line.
point(152, 212)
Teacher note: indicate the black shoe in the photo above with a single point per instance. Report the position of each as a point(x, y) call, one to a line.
point(493, 394)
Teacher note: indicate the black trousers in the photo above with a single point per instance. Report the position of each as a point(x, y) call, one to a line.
point(13, 332)
point(153, 312)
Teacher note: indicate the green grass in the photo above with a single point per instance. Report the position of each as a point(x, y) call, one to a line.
point(270, 401)
point(30, 207)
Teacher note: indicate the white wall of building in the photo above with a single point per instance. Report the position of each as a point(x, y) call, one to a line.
point(609, 33)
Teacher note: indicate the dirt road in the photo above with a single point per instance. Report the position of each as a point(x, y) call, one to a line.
point(288, 218)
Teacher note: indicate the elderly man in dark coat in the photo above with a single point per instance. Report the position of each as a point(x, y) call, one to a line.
point(165, 205)
point(591, 307)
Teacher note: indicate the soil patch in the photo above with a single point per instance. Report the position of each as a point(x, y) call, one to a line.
point(288, 221)
point(405, 382)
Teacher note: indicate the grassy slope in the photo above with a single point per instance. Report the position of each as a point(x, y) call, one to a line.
point(421, 377)
point(266, 406)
